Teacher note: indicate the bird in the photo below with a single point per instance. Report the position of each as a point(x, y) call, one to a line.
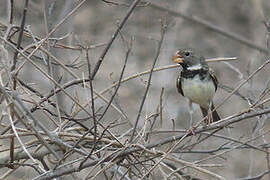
point(197, 81)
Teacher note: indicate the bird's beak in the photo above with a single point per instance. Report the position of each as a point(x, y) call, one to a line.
point(178, 58)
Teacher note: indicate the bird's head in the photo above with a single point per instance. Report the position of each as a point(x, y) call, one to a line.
point(188, 59)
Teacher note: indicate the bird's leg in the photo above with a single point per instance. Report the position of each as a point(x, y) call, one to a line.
point(191, 110)
point(209, 116)
point(190, 113)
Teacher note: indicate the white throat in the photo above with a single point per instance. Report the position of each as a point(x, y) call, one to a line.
point(195, 67)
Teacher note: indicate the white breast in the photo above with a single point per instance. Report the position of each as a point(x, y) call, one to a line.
point(198, 91)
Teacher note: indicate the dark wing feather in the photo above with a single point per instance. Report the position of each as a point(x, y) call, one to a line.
point(179, 85)
point(213, 77)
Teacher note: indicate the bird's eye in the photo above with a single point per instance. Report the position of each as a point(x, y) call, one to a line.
point(187, 53)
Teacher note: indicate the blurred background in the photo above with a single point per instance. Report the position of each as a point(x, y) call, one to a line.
point(93, 25)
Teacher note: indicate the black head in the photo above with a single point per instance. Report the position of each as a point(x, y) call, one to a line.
point(188, 58)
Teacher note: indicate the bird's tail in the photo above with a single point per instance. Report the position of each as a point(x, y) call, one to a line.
point(215, 115)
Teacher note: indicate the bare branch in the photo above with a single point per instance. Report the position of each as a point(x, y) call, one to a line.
point(163, 29)
point(103, 54)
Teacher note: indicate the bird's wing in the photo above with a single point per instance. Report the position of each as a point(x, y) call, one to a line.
point(213, 77)
point(179, 85)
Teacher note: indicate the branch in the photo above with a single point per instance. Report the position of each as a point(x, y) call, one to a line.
point(103, 54)
point(163, 28)
point(212, 27)
point(20, 35)
point(219, 125)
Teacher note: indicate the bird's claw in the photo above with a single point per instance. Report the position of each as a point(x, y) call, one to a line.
point(191, 131)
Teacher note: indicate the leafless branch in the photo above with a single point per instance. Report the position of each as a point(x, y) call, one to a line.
point(103, 54)
point(163, 30)
point(212, 27)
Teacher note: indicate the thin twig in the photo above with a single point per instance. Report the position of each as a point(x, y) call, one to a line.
point(76, 76)
point(11, 13)
point(56, 27)
point(67, 170)
point(92, 109)
point(56, 83)
point(161, 69)
point(13, 68)
point(118, 84)
point(258, 177)
point(115, 92)
point(163, 29)
point(241, 84)
point(92, 96)
point(20, 35)
point(221, 59)
point(103, 54)
point(17, 104)
point(211, 26)
point(161, 106)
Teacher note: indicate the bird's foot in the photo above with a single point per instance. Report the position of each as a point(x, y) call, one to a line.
point(209, 118)
point(191, 131)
